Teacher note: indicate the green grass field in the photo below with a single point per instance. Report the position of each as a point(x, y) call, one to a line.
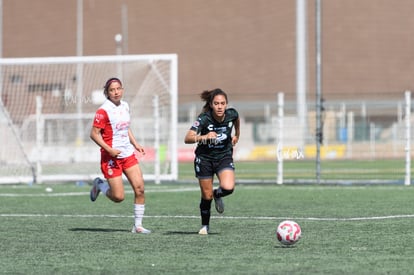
point(362, 171)
point(346, 230)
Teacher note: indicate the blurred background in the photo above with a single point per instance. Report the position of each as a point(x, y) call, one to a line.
point(254, 51)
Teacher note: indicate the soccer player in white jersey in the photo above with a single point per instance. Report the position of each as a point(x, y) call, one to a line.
point(111, 132)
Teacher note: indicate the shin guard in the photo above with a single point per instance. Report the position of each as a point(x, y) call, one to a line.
point(205, 206)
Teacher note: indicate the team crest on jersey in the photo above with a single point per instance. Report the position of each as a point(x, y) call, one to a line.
point(230, 124)
point(196, 124)
point(98, 117)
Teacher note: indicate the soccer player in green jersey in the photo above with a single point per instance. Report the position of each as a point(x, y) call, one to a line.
point(213, 133)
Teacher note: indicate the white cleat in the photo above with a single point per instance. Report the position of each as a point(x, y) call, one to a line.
point(95, 189)
point(140, 230)
point(203, 230)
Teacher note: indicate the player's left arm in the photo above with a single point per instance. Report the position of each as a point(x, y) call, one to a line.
point(134, 142)
point(236, 136)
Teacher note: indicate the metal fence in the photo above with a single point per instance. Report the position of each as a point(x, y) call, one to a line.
point(362, 141)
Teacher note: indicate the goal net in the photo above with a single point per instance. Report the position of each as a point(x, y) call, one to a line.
point(48, 104)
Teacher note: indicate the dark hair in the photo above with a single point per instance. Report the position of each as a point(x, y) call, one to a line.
point(208, 97)
point(109, 82)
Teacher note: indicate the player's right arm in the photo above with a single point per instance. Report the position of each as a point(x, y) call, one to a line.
point(193, 137)
point(96, 136)
point(99, 122)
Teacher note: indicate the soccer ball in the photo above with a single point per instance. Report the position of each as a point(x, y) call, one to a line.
point(288, 232)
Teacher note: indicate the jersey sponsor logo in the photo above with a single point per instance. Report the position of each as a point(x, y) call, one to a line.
point(221, 137)
point(216, 143)
point(122, 125)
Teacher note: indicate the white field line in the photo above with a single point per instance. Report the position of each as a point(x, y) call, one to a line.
point(213, 217)
point(191, 189)
point(68, 194)
point(188, 189)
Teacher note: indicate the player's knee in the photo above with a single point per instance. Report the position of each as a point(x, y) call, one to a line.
point(207, 195)
point(139, 191)
point(117, 198)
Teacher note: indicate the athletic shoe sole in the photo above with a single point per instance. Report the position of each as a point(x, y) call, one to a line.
point(140, 230)
point(95, 189)
point(219, 204)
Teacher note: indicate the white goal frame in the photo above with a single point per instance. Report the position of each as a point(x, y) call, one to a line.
point(160, 84)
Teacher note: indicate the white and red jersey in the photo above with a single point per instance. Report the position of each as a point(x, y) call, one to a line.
point(114, 124)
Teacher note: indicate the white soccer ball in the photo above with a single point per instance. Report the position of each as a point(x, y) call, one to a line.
point(288, 232)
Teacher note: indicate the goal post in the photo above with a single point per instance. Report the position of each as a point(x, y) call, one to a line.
point(48, 104)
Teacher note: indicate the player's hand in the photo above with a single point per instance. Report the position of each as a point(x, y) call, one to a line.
point(114, 152)
point(211, 135)
point(234, 140)
point(140, 149)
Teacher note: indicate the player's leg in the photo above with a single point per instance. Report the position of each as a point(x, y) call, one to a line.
point(136, 180)
point(115, 191)
point(204, 173)
point(113, 187)
point(206, 188)
point(227, 182)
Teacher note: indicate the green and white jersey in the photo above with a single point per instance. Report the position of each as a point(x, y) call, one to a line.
point(221, 146)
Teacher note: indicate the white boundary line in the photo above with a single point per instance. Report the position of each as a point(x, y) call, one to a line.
point(192, 189)
point(68, 194)
point(213, 217)
point(187, 189)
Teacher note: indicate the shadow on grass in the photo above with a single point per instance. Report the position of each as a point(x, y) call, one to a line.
point(97, 230)
point(283, 246)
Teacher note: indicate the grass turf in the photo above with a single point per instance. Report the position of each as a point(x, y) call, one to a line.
point(346, 230)
point(392, 170)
